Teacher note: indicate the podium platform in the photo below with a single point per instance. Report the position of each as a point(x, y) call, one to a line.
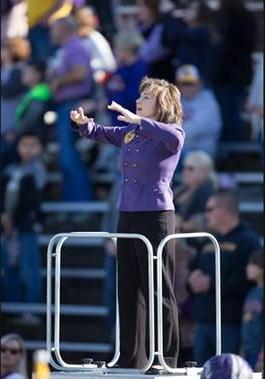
point(128, 375)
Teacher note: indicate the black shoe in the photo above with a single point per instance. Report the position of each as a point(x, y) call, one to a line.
point(156, 370)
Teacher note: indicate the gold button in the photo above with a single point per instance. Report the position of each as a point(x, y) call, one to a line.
point(137, 150)
point(125, 164)
point(126, 180)
point(129, 150)
point(135, 164)
point(135, 181)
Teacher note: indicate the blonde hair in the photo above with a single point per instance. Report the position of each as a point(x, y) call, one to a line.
point(168, 99)
point(204, 161)
point(22, 365)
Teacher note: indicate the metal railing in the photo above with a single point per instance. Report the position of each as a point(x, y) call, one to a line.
point(53, 345)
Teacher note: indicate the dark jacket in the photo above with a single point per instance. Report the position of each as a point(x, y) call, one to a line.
point(190, 45)
point(237, 32)
point(236, 248)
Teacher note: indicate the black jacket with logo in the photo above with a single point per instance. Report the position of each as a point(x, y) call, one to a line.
point(236, 248)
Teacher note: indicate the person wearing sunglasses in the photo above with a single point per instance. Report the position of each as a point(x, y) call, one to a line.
point(237, 242)
point(13, 357)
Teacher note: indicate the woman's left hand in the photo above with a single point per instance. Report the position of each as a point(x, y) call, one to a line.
point(126, 116)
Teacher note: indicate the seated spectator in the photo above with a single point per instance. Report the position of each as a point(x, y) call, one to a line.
point(22, 188)
point(151, 25)
point(190, 197)
point(202, 119)
point(31, 109)
point(189, 37)
point(102, 59)
point(70, 79)
point(13, 357)
point(252, 326)
point(237, 242)
point(226, 366)
point(14, 53)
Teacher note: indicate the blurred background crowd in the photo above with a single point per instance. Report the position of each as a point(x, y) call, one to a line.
point(57, 55)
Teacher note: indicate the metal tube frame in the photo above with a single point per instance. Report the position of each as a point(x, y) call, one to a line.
point(54, 347)
point(160, 293)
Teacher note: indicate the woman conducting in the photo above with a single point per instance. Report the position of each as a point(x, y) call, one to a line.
point(150, 146)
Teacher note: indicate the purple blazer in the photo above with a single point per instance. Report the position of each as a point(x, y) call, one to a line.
point(149, 154)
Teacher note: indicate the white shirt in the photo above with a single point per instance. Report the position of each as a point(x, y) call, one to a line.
point(100, 51)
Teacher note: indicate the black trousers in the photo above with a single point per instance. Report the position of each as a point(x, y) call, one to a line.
point(133, 287)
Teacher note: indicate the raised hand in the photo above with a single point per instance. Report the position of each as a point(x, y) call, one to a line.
point(126, 115)
point(79, 118)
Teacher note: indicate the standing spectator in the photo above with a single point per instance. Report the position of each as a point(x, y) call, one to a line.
point(201, 113)
point(237, 242)
point(151, 25)
point(252, 327)
point(14, 20)
point(39, 15)
point(255, 101)
point(190, 38)
point(13, 357)
point(226, 366)
point(190, 197)
point(14, 53)
point(235, 43)
point(102, 59)
point(30, 110)
point(22, 186)
point(70, 79)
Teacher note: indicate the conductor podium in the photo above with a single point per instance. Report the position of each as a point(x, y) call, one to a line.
point(89, 369)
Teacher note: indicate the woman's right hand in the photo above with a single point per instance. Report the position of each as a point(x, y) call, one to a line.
point(79, 118)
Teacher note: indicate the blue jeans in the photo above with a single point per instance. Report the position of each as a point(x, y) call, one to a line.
point(231, 99)
point(76, 186)
point(40, 41)
point(22, 281)
point(205, 341)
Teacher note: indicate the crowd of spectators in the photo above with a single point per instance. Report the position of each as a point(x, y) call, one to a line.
point(59, 59)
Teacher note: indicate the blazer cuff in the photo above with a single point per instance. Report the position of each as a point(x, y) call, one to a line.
point(83, 130)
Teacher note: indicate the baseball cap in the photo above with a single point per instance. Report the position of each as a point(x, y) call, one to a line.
point(188, 74)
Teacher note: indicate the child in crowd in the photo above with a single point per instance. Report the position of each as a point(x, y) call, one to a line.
point(31, 108)
point(123, 86)
point(252, 333)
point(22, 186)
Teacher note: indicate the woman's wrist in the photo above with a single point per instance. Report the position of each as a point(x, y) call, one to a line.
point(137, 120)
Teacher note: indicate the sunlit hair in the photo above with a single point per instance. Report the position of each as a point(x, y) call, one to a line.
point(203, 161)
point(22, 364)
point(168, 99)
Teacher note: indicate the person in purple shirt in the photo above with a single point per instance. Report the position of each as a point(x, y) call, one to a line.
point(150, 146)
point(70, 79)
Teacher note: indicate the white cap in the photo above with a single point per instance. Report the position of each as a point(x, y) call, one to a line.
point(188, 74)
